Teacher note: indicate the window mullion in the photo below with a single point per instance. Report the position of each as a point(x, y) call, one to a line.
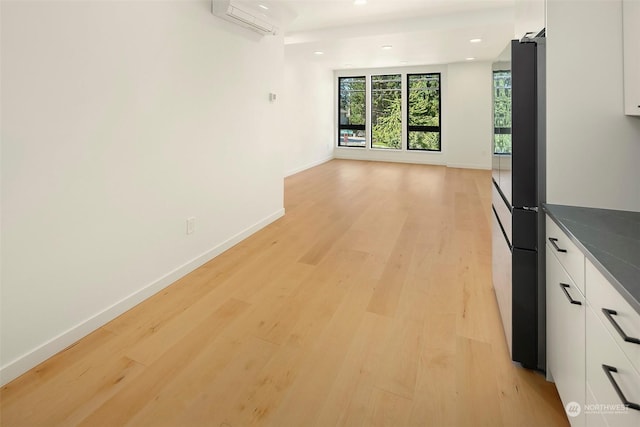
point(369, 113)
point(404, 111)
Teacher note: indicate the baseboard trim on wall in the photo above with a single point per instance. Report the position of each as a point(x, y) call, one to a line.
point(467, 166)
point(308, 166)
point(433, 159)
point(387, 156)
point(19, 366)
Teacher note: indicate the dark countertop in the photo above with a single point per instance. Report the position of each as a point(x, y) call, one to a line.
point(611, 241)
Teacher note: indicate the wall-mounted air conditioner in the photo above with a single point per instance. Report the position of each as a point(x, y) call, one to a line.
point(245, 14)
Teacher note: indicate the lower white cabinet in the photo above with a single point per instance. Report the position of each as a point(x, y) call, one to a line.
point(566, 338)
point(611, 378)
point(617, 316)
point(593, 419)
point(593, 342)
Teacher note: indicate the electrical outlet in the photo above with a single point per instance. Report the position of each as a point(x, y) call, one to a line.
point(191, 225)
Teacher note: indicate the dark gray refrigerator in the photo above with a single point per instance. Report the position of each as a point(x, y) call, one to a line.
point(518, 185)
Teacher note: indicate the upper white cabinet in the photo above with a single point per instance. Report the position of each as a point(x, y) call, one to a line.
point(631, 28)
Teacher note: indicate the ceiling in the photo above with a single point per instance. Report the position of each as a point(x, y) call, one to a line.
point(420, 32)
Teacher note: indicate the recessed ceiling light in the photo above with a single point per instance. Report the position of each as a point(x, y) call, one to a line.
point(475, 40)
point(469, 59)
point(360, 2)
point(318, 52)
point(387, 47)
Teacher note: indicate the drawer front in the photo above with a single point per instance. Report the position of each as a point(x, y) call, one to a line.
point(571, 258)
point(593, 418)
point(565, 336)
point(602, 350)
point(625, 321)
point(503, 212)
point(502, 270)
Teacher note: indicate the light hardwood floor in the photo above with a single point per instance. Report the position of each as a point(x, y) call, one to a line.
point(369, 304)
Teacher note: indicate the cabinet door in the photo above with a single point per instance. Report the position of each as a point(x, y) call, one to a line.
point(566, 337)
point(502, 277)
point(571, 258)
point(618, 317)
point(631, 28)
point(611, 377)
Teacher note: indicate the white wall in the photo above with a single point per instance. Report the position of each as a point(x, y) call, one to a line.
point(119, 121)
point(308, 114)
point(530, 17)
point(469, 131)
point(593, 149)
point(466, 118)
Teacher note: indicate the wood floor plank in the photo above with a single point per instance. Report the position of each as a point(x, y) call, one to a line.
point(346, 404)
point(401, 358)
point(91, 389)
point(321, 365)
point(390, 285)
point(369, 303)
point(388, 409)
point(126, 404)
point(477, 385)
point(435, 400)
point(209, 405)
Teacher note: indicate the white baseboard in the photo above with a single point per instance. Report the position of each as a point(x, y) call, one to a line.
point(431, 158)
point(17, 367)
point(467, 166)
point(308, 166)
point(399, 156)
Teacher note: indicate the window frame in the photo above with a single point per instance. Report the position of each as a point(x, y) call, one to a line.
point(421, 128)
point(370, 112)
point(499, 130)
point(363, 127)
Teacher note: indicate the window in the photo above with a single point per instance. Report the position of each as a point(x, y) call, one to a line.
point(502, 112)
point(423, 101)
point(386, 111)
point(352, 107)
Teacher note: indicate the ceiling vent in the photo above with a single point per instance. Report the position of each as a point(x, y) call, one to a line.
point(246, 15)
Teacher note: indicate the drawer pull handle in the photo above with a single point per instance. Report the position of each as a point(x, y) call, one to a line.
point(553, 241)
point(607, 371)
point(564, 287)
point(609, 315)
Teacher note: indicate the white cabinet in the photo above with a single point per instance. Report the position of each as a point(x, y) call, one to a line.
point(613, 355)
point(571, 258)
point(593, 339)
point(611, 379)
point(565, 336)
point(502, 272)
point(631, 31)
point(616, 315)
